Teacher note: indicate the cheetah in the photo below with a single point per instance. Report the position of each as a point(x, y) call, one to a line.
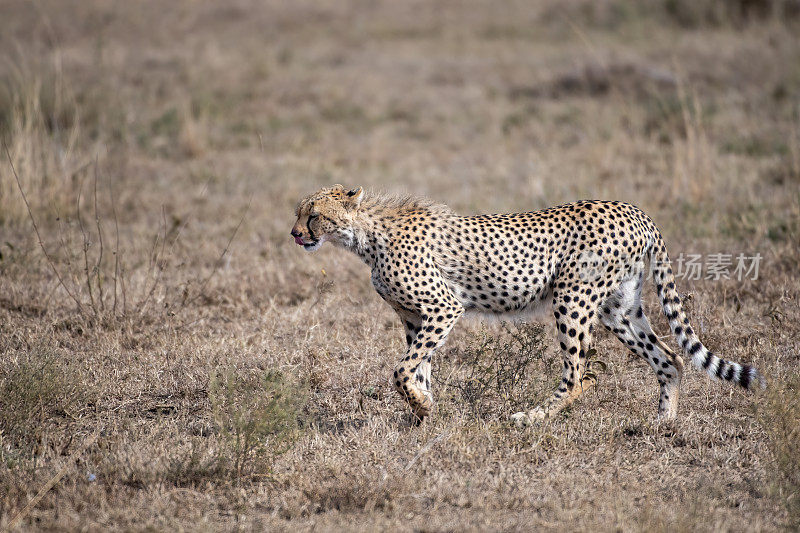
point(585, 261)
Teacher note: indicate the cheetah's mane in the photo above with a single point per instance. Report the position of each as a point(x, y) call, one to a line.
point(403, 203)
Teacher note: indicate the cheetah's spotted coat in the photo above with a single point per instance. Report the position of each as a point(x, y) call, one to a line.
point(585, 260)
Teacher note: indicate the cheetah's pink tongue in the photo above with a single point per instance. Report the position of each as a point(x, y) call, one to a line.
point(299, 240)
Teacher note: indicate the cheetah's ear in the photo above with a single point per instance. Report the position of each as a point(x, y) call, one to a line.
point(353, 197)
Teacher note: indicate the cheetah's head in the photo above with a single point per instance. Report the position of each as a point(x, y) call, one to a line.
point(326, 215)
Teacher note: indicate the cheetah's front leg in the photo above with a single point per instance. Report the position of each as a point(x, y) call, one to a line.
point(412, 324)
point(412, 374)
point(419, 292)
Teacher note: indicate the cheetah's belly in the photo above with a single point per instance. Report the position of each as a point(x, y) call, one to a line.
point(527, 302)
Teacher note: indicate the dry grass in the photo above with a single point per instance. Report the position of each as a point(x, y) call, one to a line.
point(780, 416)
point(183, 321)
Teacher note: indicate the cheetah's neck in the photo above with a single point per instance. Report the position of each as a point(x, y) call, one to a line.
point(373, 227)
point(366, 236)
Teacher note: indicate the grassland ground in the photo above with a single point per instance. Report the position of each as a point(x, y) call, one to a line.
point(225, 379)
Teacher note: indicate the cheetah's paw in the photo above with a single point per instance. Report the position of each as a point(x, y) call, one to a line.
point(529, 418)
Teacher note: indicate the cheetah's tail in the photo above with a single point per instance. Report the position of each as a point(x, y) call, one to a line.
point(745, 376)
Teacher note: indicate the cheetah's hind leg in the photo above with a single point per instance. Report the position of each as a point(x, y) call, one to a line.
point(574, 323)
point(594, 367)
point(622, 314)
